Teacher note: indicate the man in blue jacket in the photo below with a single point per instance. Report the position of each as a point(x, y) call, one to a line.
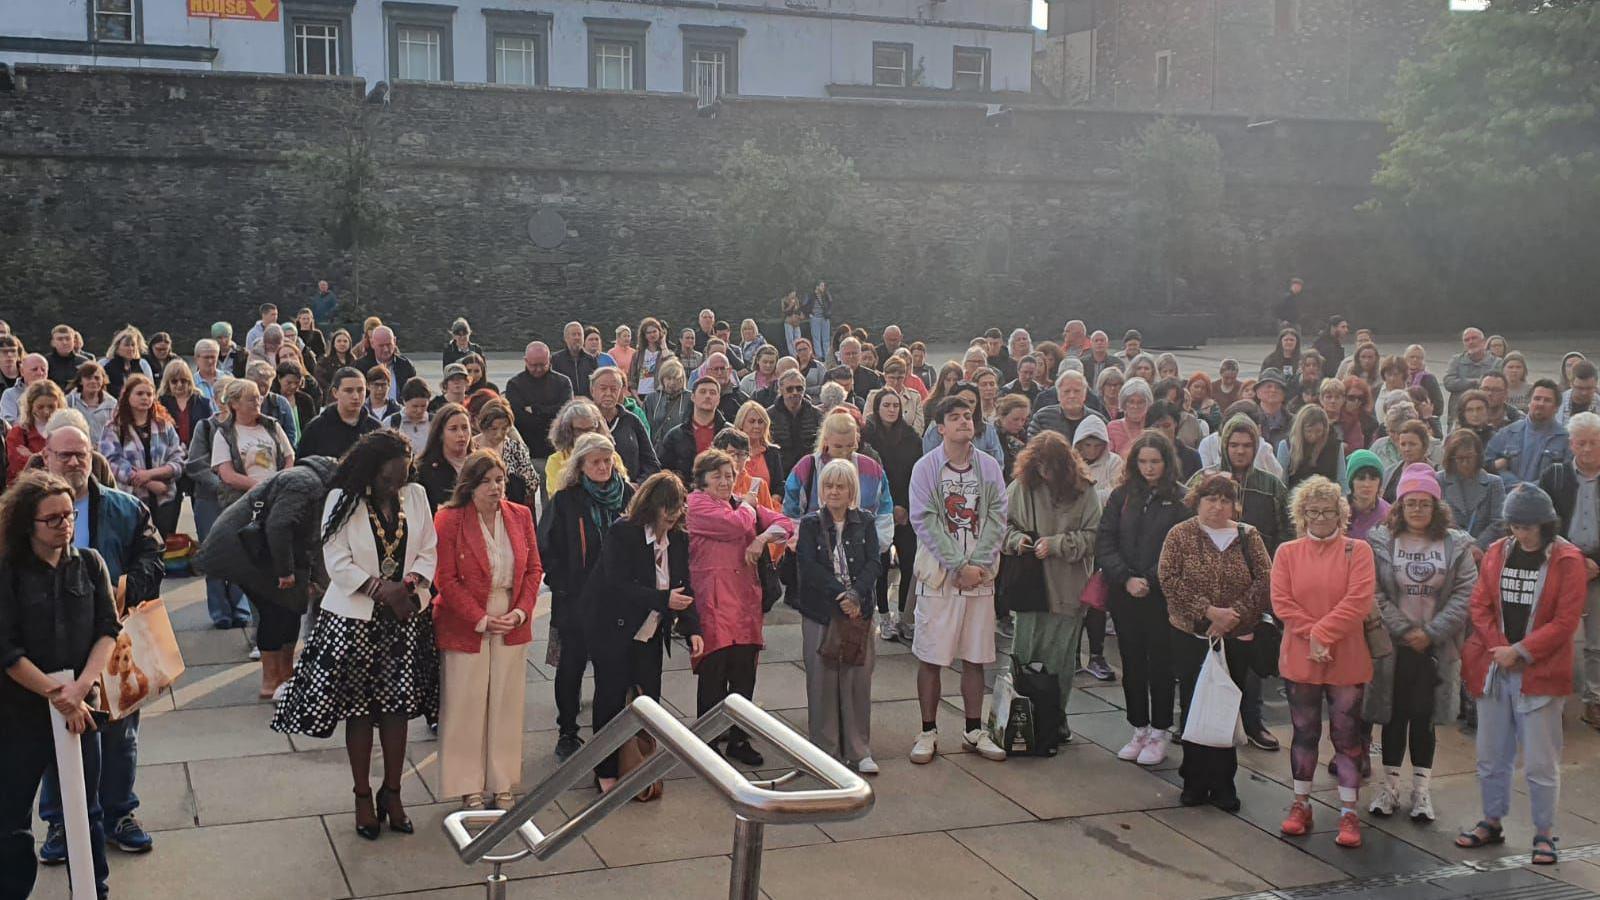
point(118, 525)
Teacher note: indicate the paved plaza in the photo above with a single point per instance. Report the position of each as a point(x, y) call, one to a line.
point(241, 812)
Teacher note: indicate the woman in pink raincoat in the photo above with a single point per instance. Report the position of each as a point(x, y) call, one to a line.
point(727, 534)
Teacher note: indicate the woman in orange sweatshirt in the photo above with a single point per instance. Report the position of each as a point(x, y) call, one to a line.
point(1322, 590)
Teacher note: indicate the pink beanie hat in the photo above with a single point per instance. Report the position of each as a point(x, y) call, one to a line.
point(1418, 478)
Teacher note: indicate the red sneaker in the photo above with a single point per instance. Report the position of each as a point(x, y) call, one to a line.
point(1349, 831)
point(1299, 821)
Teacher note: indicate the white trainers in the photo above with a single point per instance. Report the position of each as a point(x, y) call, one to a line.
point(1135, 745)
point(887, 629)
point(1384, 802)
point(1153, 754)
point(1421, 804)
point(979, 742)
point(867, 766)
point(927, 744)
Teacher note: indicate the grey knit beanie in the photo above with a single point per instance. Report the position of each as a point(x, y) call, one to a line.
point(1527, 504)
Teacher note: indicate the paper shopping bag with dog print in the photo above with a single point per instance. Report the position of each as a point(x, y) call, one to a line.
point(145, 662)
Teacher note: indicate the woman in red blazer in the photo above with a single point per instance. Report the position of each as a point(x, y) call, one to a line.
point(488, 580)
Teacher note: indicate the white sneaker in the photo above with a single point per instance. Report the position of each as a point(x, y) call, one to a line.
point(886, 627)
point(1153, 754)
point(1421, 804)
point(908, 631)
point(979, 742)
point(1135, 745)
point(255, 653)
point(867, 766)
point(1383, 804)
point(927, 744)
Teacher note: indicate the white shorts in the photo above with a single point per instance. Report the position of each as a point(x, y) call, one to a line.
point(952, 625)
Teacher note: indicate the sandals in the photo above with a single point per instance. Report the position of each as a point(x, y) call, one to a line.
point(1544, 851)
point(1472, 839)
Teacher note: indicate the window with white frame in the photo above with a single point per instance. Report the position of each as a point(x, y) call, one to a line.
point(709, 66)
point(613, 65)
point(420, 53)
point(516, 59)
point(316, 48)
point(616, 53)
point(971, 69)
point(114, 20)
point(891, 64)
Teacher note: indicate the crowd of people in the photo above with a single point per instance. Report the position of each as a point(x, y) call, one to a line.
point(1401, 549)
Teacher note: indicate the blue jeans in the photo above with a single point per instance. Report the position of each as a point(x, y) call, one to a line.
point(26, 754)
point(821, 335)
point(118, 762)
point(1505, 723)
point(224, 600)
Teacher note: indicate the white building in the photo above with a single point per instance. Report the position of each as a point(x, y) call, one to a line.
point(808, 48)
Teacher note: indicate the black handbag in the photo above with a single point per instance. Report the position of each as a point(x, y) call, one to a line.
point(253, 536)
point(1268, 633)
point(771, 584)
point(1020, 584)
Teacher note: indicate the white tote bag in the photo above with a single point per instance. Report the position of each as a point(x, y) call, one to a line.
point(1215, 707)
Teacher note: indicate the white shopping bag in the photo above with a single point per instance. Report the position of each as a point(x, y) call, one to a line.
point(1215, 707)
point(1005, 691)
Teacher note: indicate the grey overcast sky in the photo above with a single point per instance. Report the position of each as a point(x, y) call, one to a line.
point(1039, 16)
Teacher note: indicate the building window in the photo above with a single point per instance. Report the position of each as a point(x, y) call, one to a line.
point(1286, 16)
point(518, 46)
point(971, 69)
point(114, 20)
point(1163, 75)
point(516, 59)
point(316, 48)
point(710, 61)
point(616, 53)
point(421, 41)
point(891, 64)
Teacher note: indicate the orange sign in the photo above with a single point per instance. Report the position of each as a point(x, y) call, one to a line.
point(251, 10)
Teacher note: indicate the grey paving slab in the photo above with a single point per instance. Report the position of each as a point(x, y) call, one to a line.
point(1111, 731)
point(706, 878)
point(251, 861)
point(655, 832)
point(895, 678)
point(1258, 852)
point(426, 860)
point(913, 867)
point(190, 734)
point(1380, 853)
point(1135, 855)
point(284, 786)
point(895, 726)
point(1081, 780)
point(232, 684)
point(779, 685)
point(940, 795)
point(1583, 874)
point(212, 647)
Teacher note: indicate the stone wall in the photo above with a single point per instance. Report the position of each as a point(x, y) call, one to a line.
point(169, 199)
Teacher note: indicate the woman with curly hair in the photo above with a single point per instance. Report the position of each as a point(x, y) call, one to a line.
point(371, 662)
point(144, 450)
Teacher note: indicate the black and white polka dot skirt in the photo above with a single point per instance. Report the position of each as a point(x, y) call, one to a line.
point(352, 668)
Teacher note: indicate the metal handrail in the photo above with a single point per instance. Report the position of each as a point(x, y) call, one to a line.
point(755, 804)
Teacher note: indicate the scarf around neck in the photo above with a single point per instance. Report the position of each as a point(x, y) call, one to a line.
point(605, 502)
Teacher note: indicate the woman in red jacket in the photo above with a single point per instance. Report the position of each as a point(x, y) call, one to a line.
point(488, 580)
point(1518, 664)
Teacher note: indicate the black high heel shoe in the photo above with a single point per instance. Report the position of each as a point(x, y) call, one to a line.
point(367, 819)
point(389, 808)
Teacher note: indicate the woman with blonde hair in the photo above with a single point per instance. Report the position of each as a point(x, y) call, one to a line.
point(578, 417)
point(586, 496)
point(766, 462)
point(1322, 589)
point(125, 357)
point(487, 582)
point(1312, 448)
point(40, 401)
point(87, 394)
point(669, 403)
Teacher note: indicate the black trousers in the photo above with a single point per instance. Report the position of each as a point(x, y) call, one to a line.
point(1145, 638)
point(277, 626)
point(569, 675)
point(617, 670)
point(1416, 676)
point(27, 752)
point(730, 670)
point(905, 542)
point(165, 516)
point(1208, 770)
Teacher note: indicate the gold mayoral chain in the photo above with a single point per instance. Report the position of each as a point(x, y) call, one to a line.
point(390, 567)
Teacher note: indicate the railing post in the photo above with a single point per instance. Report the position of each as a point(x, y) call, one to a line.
point(745, 881)
point(496, 885)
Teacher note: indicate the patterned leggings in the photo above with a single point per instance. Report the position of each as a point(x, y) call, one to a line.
point(1344, 726)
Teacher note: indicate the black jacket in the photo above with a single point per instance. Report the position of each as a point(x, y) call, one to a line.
point(898, 450)
point(633, 445)
point(1128, 544)
point(569, 548)
point(452, 353)
point(291, 504)
point(534, 403)
point(621, 593)
point(820, 587)
point(1054, 418)
point(795, 434)
point(730, 403)
point(53, 617)
point(438, 478)
point(576, 366)
point(328, 435)
point(1560, 481)
point(62, 369)
point(678, 447)
point(400, 369)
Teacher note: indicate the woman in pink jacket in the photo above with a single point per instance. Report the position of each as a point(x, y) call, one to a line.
point(1322, 590)
point(727, 535)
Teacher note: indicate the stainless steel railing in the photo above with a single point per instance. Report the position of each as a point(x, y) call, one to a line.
point(755, 804)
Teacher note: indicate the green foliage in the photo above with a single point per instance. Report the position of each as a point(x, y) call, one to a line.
point(346, 183)
point(1495, 165)
point(786, 213)
point(1175, 175)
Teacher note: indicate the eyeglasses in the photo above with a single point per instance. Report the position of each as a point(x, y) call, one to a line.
point(795, 389)
point(1321, 515)
point(59, 520)
point(70, 456)
point(1422, 505)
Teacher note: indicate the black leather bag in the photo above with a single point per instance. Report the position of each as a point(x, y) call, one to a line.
point(1020, 584)
point(771, 584)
